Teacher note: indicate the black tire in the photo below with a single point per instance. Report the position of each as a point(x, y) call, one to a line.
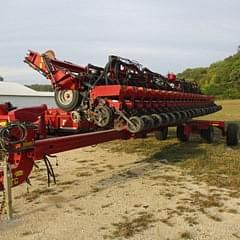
point(181, 136)
point(67, 100)
point(196, 112)
point(157, 120)
point(172, 118)
point(165, 117)
point(148, 122)
point(162, 134)
point(178, 117)
point(189, 114)
point(192, 113)
point(232, 134)
point(184, 116)
point(208, 134)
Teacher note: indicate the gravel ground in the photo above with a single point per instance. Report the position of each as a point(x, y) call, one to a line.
point(104, 195)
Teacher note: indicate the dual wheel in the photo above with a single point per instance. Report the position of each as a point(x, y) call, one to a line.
point(206, 134)
point(232, 134)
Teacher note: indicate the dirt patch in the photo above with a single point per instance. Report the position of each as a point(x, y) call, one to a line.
point(115, 195)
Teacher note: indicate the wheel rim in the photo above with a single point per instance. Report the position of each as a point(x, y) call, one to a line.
point(65, 97)
point(102, 116)
point(136, 124)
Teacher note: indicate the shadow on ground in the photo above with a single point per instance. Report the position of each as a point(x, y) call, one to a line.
point(169, 155)
point(178, 152)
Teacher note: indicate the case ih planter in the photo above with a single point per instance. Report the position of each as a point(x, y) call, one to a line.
point(120, 101)
point(123, 94)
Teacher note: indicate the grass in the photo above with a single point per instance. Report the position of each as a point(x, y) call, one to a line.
point(186, 235)
point(204, 202)
point(35, 194)
point(230, 111)
point(127, 227)
point(216, 164)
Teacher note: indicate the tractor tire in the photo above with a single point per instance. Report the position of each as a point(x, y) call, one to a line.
point(67, 100)
point(232, 134)
point(181, 136)
point(207, 134)
point(162, 134)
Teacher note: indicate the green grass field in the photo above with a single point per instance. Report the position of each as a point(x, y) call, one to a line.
point(230, 112)
point(216, 164)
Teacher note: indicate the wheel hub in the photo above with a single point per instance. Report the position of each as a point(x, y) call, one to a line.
point(65, 96)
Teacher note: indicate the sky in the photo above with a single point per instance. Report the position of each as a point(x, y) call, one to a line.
point(163, 35)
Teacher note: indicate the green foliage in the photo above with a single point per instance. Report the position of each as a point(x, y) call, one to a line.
point(221, 79)
point(41, 87)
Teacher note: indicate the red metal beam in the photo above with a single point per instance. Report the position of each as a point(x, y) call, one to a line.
point(61, 144)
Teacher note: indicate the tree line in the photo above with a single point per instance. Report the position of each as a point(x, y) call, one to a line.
point(221, 78)
point(41, 87)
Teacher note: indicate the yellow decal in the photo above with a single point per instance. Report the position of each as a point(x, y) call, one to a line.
point(18, 173)
point(27, 144)
point(3, 123)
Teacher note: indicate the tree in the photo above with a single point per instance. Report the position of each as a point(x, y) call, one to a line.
point(221, 78)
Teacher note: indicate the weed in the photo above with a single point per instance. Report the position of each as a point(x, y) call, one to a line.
point(215, 218)
point(129, 227)
point(107, 205)
point(191, 220)
point(27, 233)
point(186, 235)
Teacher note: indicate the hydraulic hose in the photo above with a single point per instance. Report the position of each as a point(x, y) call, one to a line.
point(6, 134)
